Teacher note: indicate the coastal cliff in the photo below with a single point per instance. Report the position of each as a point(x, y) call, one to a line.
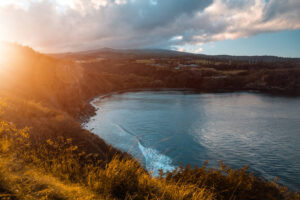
point(45, 153)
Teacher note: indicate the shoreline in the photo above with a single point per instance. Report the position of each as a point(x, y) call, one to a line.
point(83, 119)
point(91, 109)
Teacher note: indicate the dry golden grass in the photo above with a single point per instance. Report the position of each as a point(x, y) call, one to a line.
point(30, 183)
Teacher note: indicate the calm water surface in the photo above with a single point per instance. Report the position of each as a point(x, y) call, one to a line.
point(166, 129)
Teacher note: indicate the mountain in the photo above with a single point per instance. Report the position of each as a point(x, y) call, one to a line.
point(164, 53)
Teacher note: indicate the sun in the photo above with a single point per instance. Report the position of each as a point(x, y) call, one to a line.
point(3, 52)
point(5, 55)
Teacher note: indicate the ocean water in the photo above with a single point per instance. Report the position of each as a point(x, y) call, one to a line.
point(167, 128)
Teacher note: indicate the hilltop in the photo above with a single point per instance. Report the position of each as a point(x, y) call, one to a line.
point(171, 54)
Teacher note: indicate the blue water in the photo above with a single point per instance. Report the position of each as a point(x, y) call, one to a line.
point(165, 129)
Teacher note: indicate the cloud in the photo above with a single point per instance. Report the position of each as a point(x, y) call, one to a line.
point(68, 25)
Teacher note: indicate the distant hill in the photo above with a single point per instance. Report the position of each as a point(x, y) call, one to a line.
point(164, 53)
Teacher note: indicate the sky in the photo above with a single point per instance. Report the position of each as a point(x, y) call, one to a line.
point(235, 27)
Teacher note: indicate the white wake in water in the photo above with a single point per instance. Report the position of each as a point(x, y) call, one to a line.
point(155, 161)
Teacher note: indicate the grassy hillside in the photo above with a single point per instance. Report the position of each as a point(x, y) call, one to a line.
point(45, 153)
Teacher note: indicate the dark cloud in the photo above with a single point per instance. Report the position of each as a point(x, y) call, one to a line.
point(289, 9)
point(50, 25)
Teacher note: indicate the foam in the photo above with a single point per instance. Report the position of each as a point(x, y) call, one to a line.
point(156, 161)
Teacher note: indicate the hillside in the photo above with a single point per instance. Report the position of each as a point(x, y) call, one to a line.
point(171, 69)
point(164, 53)
point(46, 154)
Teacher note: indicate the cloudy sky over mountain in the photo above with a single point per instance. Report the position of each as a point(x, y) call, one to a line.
point(199, 26)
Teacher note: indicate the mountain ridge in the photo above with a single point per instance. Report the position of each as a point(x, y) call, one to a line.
point(170, 53)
